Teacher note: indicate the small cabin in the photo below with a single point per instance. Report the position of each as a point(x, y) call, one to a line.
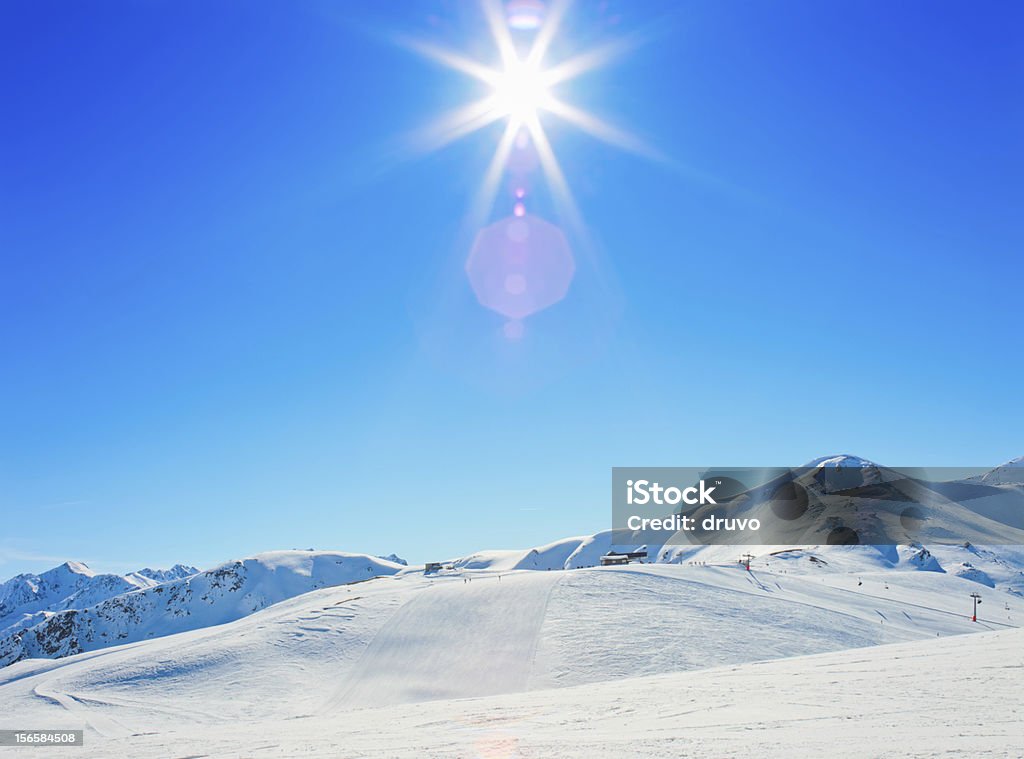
point(431, 567)
point(613, 560)
point(624, 557)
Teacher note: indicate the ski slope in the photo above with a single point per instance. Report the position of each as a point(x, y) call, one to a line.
point(941, 697)
point(459, 638)
point(392, 645)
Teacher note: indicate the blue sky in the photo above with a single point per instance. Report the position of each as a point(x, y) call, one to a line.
point(234, 316)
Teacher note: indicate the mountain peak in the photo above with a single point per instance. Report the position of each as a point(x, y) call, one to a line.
point(177, 572)
point(76, 569)
point(841, 460)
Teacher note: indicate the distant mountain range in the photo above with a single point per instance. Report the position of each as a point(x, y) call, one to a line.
point(27, 599)
point(69, 609)
point(846, 499)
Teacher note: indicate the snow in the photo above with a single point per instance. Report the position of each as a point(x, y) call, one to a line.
point(475, 636)
point(943, 697)
point(946, 512)
point(219, 595)
point(551, 556)
point(28, 599)
point(1012, 472)
point(839, 460)
point(818, 650)
point(1002, 567)
point(177, 572)
point(673, 657)
point(968, 571)
point(590, 550)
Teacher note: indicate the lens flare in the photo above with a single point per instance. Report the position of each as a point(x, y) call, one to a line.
point(522, 263)
point(525, 15)
point(520, 91)
point(522, 87)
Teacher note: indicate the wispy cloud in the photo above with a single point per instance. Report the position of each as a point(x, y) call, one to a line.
point(61, 505)
point(9, 555)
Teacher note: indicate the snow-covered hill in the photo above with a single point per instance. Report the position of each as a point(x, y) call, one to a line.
point(547, 557)
point(942, 697)
point(96, 615)
point(400, 642)
point(240, 588)
point(1010, 473)
point(181, 662)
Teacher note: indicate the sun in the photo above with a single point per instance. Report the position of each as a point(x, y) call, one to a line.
point(527, 260)
point(520, 91)
point(522, 86)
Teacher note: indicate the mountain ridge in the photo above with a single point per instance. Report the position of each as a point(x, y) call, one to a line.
point(222, 594)
point(70, 609)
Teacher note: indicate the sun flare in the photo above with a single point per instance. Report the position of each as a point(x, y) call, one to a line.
point(523, 263)
point(520, 91)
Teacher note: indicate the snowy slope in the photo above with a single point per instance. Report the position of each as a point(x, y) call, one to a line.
point(213, 597)
point(1010, 473)
point(71, 609)
point(568, 553)
point(269, 655)
point(240, 588)
point(546, 557)
point(404, 640)
point(1003, 565)
point(999, 493)
point(949, 697)
point(474, 636)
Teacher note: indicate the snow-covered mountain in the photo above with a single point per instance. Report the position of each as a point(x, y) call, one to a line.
point(488, 633)
point(86, 622)
point(1010, 473)
point(237, 589)
point(839, 460)
point(473, 654)
point(177, 572)
point(26, 600)
point(847, 499)
point(70, 609)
